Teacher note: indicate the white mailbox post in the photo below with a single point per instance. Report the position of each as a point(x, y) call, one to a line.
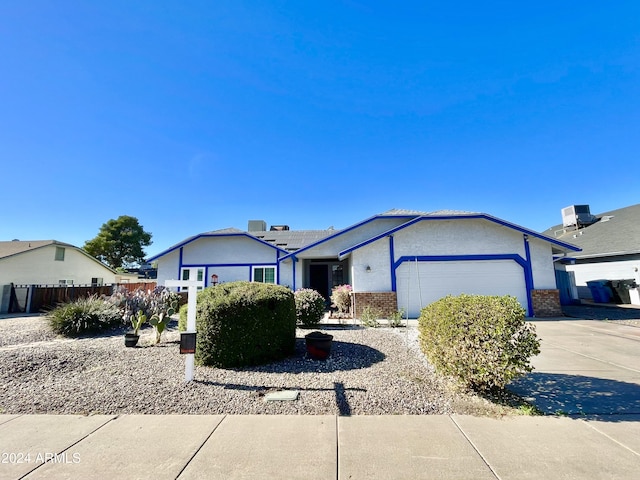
point(192, 294)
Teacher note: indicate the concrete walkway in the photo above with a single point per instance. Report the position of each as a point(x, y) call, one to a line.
point(588, 375)
point(317, 447)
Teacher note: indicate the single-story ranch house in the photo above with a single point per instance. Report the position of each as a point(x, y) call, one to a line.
point(400, 259)
point(50, 262)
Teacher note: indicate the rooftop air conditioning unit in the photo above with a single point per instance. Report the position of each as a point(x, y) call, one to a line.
point(577, 216)
point(257, 226)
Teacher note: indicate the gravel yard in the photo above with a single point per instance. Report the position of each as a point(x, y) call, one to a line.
point(370, 372)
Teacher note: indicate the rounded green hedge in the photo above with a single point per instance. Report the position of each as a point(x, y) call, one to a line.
point(484, 341)
point(244, 323)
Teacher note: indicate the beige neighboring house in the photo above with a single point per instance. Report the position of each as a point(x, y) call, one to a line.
point(49, 262)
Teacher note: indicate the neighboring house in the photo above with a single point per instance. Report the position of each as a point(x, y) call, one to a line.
point(49, 262)
point(400, 259)
point(610, 244)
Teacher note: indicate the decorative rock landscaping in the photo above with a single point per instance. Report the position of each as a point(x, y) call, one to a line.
point(369, 372)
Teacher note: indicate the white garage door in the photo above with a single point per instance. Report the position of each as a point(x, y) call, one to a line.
point(422, 283)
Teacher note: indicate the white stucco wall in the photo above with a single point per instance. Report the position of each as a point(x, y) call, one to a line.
point(376, 256)
point(229, 257)
point(542, 266)
point(39, 266)
point(330, 248)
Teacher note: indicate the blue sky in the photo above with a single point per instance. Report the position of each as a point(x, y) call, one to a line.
point(197, 115)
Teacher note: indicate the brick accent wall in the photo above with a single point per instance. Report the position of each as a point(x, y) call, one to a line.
point(546, 303)
point(386, 302)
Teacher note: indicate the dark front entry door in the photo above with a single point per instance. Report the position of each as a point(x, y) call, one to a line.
point(319, 279)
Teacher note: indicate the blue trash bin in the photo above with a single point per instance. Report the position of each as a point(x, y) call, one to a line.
point(600, 291)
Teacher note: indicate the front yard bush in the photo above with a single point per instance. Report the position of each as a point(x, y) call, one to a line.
point(245, 323)
point(484, 341)
point(341, 298)
point(309, 307)
point(84, 316)
point(182, 321)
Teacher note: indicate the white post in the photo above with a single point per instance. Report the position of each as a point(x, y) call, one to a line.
point(192, 295)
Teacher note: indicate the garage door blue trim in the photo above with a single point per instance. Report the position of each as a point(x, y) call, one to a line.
point(524, 263)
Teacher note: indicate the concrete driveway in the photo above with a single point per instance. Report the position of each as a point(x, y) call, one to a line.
point(586, 367)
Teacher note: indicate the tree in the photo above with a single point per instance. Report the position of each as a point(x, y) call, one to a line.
point(120, 242)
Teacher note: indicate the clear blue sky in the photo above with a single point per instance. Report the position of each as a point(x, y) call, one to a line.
point(199, 115)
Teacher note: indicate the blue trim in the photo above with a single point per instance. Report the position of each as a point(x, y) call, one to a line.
point(294, 260)
point(392, 255)
point(449, 258)
point(478, 216)
point(346, 230)
point(211, 235)
point(524, 263)
point(254, 264)
point(180, 265)
point(528, 274)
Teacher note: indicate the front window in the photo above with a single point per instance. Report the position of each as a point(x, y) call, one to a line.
point(59, 254)
point(264, 274)
point(192, 274)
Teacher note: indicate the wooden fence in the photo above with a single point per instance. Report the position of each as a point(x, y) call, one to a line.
point(40, 298)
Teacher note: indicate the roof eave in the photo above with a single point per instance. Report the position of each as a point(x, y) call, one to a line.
point(211, 235)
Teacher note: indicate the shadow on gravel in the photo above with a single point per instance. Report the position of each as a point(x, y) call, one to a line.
point(344, 356)
point(560, 394)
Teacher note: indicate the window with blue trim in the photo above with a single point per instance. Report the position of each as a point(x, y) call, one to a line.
point(264, 274)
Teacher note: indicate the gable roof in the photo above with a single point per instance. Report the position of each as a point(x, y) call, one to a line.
point(616, 232)
point(278, 240)
point(455, 215)
point(292, 242)
point(17, 247)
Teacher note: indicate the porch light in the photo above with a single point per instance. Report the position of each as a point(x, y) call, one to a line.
point(368, 269)
point(214, 279)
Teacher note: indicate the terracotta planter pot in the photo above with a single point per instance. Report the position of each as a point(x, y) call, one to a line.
point(318, 345)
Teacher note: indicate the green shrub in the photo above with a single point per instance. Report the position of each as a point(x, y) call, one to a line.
point(84, 316)
point(341, 298)
point(182, 321)
point(245, 323)
point(309, 307)
point(370, 316)
point(395, 319)
point(484, 341)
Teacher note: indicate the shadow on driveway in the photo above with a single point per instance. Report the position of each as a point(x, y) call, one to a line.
point(564, 394)
point(600, 312)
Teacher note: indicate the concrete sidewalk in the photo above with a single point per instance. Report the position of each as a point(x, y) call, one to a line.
point(322, 447)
